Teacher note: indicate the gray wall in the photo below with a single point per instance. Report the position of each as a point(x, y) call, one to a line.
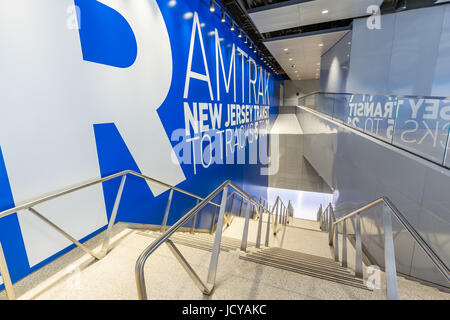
point(334, 66)
point(294, 172)
point(302, 87)
point(361, 169)
point(409, 55)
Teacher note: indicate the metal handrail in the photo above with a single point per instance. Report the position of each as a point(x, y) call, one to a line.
point(33, 203)
point(428, 250)
point(206, 288)
point(278, 214)
point(323, 214)
point(105, 247)
point(375, 95)
point(202, 202)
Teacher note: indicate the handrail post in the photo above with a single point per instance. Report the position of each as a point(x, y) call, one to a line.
point(245, 232)
point(166, 213)
point(232, 203)
point(6, 277)
point(285, 216)
point(327, 218)
point(319, 216)
point(358, 248)
point(187, 267)
point(344, 244)
point(112, 219)
point(258, 235)
point(194, 219)
point(269, 216)
point(217, 239)
point(213, 220)
point(280, 220)
point(336, 243)
point(289, 212)
point(276, 219)
point(65, 234)
point(331, 226)
point(389, 257)
point(240, 208)
point(330, 220)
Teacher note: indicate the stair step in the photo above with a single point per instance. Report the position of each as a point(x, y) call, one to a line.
point(307, 264)
point(296, 254)
point(210, 240)
point(329, 263)
point(333, 268)
point(353, 282)
point(200, 241)
point(293, 261)
point(305, 267)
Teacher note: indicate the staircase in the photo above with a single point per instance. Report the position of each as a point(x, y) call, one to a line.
point(266, 273)
point(202, 241)
point(265, 253)
point(306, 264)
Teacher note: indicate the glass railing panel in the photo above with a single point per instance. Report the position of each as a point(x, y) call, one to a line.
point(311, 101)
point(422, 126)
point(301, 101)
point(340, 106)
point(325, 103)
point(373, 114)
point(447, 153)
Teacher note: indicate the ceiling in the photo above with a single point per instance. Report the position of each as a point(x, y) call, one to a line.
point(307, 12)
point(305, 52)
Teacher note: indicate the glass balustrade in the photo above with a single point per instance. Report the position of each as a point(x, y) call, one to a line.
point(420, 125)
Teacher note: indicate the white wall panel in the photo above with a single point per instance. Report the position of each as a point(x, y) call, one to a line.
point(54, 97)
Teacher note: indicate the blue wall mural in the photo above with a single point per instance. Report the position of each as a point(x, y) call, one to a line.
point(220, 100)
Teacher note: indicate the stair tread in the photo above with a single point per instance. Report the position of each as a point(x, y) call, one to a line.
point(201, 241)
point(354, 282)
point(307, 264)
point(289, 260)
point(309, 268)
point(336, 267)
point(293, 253)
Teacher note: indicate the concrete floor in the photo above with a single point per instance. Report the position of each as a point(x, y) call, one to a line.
point(78, 276)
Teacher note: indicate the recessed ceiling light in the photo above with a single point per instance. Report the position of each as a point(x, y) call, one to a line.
point(290, 59)
point(285, 49)
point(320, 44)
point(325, 11)
point(318, 63)
point(188, 15)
